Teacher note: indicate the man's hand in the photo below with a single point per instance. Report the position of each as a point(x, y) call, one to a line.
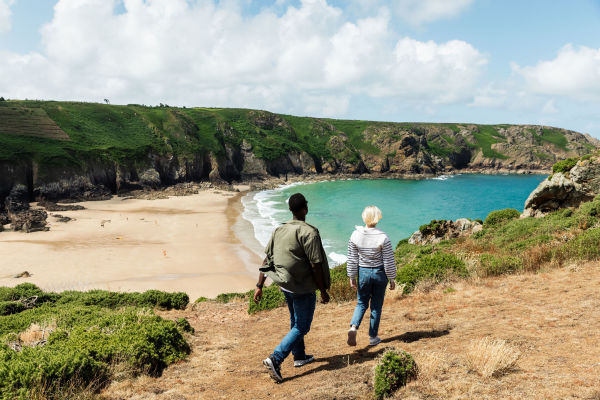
point(257, 295)
point(324, 297)
point(353, 283)
point(392, 284)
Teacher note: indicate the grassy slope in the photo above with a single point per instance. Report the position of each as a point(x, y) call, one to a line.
point(548, 317)
point(87, 339)
point(128, 133)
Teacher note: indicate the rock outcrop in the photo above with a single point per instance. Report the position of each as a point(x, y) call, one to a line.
point(29, 221)
point(436, 231)
point(568, 189)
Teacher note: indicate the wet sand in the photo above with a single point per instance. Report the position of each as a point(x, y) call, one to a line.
point(177, 244)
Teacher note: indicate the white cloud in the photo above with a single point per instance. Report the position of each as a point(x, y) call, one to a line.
point(549, 107)
point(424, 11)
point(490, 96)
point(310, 59)
point(5, 14)
point(575, 72)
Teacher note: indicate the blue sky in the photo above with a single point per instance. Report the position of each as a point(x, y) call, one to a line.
point(484, 61)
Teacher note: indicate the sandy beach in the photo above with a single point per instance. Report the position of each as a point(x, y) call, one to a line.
point(177, 244)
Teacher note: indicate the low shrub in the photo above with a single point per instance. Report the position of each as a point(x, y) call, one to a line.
point(436, 267)
point(432, 227)
point(565, 165)
point(272, 298)
point(103, 298)
point(86, 342)
point(11, 307)
point(492, 265)
point(498, 216)
point(201, 299)
point(340, 289)
point(25, 291)
point(228, 297)
point(394, 370)
point(583, 247)
point(184, 325)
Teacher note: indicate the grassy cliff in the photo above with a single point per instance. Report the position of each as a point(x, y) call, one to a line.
point(72, 135)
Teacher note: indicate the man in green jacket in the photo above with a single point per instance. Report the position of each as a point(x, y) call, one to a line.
point(296, 261)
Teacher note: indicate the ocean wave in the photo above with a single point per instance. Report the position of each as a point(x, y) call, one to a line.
point(445, 177)
point(259, 210)
point(337, 258)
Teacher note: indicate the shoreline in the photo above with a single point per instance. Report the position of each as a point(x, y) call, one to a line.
point(180, 243)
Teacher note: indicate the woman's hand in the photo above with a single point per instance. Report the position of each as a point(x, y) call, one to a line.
point(353, 283)
point(392, 284)
point(257, 295)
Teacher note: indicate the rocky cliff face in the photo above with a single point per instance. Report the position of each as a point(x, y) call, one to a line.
point(565, 189)
point(156, 147)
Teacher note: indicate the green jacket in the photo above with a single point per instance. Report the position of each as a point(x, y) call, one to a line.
point(293, 247)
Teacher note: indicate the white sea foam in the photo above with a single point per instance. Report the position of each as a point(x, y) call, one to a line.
point(337, 258)
point(260, 210)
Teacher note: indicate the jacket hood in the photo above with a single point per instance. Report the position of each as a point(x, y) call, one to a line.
point(368, 231)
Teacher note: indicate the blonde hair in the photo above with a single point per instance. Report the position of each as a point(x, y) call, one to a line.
point(371, 215)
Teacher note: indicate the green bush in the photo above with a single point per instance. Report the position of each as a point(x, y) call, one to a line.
point(437, 267)
point(492, 265)
point(393, 371)
point(565, 165)
point(11, 307)
point(272, 298)
point(583, 247)
point(150, 298)
point(498, 216)
point(228, 297)
point(87, 342)
point(24, 291)
point(184, 325)
point(432, 227)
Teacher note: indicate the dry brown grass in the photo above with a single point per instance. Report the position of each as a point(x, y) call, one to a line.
point(492, 357)
point(536, 257)
point(553, 318)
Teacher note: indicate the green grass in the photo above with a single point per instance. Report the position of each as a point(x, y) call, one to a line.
point(553, 136)
point(73, 134)
point(485, 137)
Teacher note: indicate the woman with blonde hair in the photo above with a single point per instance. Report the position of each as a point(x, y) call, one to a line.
point(371, 257)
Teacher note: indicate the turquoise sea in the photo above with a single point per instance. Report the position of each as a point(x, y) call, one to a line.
point(335, 207)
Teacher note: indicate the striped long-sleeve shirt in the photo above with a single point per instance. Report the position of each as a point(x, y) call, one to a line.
point(370, 248)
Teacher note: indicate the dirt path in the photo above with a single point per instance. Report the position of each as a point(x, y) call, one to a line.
point(552, 318)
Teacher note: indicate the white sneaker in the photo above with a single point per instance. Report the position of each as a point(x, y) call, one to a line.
point(374, 341)
point(352, 336)
point(300, 363)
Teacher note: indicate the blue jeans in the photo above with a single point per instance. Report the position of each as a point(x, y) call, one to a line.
point(372, 283)
point(302, 309)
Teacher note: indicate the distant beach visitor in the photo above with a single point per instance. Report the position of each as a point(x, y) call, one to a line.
point(371, 257)
point(296, 261)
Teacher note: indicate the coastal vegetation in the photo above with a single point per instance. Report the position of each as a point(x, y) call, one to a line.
point(59, 345)
point(118, 147)
point(393, 371)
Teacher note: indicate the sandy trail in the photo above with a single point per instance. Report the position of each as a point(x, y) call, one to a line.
point(553, 318)
point(176, 244)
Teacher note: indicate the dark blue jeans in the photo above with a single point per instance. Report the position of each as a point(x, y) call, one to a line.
point(372, 283)
point(302, 309)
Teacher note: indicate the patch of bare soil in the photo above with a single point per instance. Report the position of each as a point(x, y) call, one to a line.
point(548, 322)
